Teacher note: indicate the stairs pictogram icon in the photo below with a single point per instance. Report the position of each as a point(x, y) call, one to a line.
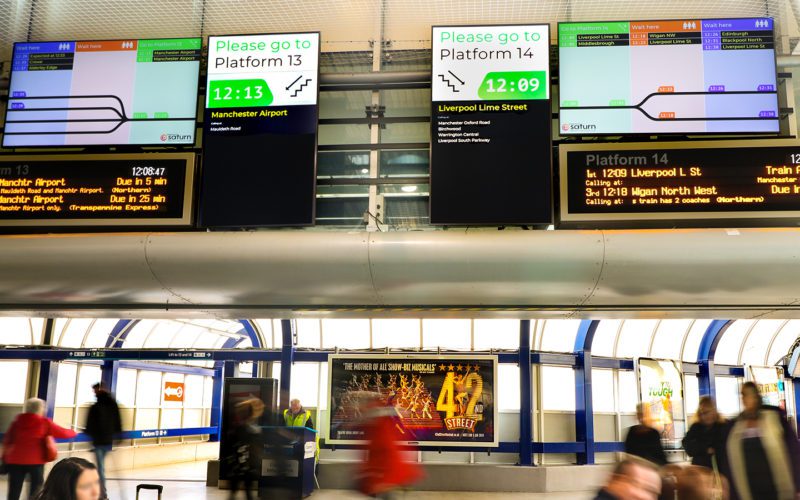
point(450, 82)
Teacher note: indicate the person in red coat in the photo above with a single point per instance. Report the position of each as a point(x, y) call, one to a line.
point(384, 469)
point(25, 447)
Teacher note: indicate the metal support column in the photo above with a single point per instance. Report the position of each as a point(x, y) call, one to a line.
point(216, 400)
point(48, 373)
point(287, 358)
point(705, 356)
point(526, 395)
point(108, 375)
point(584, 412)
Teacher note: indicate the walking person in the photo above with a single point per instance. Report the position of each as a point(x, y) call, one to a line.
point(102, 424)
point(72, 479)
point(28, 445)
point(763, 451)
point(247, 451)
point(705, 441)
point(644, 441)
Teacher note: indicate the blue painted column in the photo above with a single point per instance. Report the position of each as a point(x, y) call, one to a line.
point(287, 358)
point(796, 390)
point(525, 395)
point(108, 375)
point(48, 373)
point(216, 400)
point(255, 341)
point(705, 356)
point(584, 414)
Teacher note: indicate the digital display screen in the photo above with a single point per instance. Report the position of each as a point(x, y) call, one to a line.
point(96, 190)
point(698, 180)
point(260, 130)
point(117, 92)
point(694, 76)
point(491, 125)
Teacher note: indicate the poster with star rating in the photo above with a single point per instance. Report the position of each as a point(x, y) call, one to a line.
point(436, 400)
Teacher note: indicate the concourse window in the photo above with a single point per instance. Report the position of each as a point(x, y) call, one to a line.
point(728, 347)
point(558, 388)
point(13, 393)
point(21, 331)
point(508, 391)
point(628, 392)
point(754, 351)
point(308, 333)
point(558, 335)
point(603, 391)
point(693, 339)
point(634, 338)
point(396, 333)
point(496, 334)
point(669, 337)
point(783, 342)
point(451, 334)
point(345, 333)
point(728, 400)
point(605, 338)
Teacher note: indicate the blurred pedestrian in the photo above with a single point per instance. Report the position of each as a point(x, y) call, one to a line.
point(28, 445)
point(763, 451)
point(72, 479)
point(247, 450)
point(644, 441)
point(385, 470)
point(693, 482)
point(103, 424)
point(705, 441)
point(633, 479)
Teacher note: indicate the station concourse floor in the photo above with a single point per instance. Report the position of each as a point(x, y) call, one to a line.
point(186, 481)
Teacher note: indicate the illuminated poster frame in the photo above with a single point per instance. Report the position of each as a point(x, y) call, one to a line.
point(669, 406)
point(384, 364)
point(773, 390)
point(185, 220)
point(568, 216)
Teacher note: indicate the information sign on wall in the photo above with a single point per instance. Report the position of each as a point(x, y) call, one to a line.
point(260, 130)
point(491, 125)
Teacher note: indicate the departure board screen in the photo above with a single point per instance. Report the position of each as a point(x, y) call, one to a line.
point(491, 125)
point(695, 76)
point(260, 130)
point(118, 92)
point(96, 190)
point(701, 180)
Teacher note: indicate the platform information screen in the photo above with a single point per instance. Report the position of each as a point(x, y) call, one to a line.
point(491, 125)
point(260, 130)
point(118, 92)
point(153, 189)
point(698, 180)
point(694, 76)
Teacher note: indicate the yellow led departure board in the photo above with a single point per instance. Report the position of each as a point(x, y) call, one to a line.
point(754, 179)
point(97, 190)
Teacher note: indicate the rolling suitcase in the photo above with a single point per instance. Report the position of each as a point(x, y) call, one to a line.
point(156, 487)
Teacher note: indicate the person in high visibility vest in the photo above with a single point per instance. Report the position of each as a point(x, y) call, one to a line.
point(297, 416)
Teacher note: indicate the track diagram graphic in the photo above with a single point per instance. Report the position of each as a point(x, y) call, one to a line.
point(115, 92)
point(680, 76)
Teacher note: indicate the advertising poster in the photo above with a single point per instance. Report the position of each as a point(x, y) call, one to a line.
point(661, 393)
point(769, 380)
point(441, 400)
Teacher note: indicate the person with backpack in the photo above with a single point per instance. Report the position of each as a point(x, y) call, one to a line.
point(28, 445)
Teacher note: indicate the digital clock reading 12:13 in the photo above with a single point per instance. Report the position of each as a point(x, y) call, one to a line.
point(239, 93)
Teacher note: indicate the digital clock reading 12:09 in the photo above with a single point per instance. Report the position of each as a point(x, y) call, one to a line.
point(505, 85)
point(239, 93)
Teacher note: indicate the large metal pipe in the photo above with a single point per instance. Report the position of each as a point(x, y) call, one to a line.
point(693, 273)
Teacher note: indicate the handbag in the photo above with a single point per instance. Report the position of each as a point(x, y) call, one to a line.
point(49, 449)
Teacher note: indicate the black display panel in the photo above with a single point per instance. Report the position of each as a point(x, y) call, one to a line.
point(96, 190)
point(491, 126)
point(260, 131)
point(705, 180)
